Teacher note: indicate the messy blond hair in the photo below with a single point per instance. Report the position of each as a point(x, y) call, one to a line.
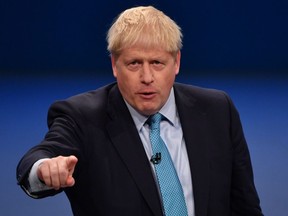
point(146, 26)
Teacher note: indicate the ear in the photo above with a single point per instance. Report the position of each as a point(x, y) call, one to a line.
point(177, 62)
point(113, 63)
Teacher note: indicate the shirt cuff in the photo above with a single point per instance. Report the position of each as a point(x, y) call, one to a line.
point(35, 184)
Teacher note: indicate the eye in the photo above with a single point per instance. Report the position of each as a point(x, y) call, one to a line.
point(156, 62)
point(133, 65)
point(158, 65)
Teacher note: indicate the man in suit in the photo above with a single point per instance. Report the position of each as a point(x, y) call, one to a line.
point(97, 149)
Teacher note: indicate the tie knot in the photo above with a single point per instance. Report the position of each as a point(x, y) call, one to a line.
point(154, 121)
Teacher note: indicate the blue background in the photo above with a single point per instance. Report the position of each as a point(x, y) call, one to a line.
point(51, 50)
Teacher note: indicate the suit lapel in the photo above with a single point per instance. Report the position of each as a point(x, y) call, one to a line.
point(193, 120)
point(127, 142)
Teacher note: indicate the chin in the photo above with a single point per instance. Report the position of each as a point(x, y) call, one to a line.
point(147, 109)
point(148, 112)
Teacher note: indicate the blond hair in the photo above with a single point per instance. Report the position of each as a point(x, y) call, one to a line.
point(146, 26)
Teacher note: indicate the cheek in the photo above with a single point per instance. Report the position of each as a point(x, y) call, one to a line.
point(166, 85)
point(126, 84)
point(167, 81)
point(123, 79)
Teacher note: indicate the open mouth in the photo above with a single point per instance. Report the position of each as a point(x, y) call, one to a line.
point(147, 95)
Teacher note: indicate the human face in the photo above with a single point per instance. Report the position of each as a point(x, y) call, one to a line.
point(145, 77)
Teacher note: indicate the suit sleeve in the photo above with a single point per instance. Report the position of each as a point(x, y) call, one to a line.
point(62, 138)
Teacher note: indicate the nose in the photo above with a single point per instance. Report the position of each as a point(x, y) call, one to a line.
point(146, 74)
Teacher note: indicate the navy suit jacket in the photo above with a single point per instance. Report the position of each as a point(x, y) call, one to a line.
point(113, 175)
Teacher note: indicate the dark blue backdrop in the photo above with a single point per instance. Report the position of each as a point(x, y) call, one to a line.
point(69, 35)
point(50, 50)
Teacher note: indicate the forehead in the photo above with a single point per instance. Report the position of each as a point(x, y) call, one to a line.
point(144, 52)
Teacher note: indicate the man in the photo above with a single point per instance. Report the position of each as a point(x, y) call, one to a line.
point(98, 149)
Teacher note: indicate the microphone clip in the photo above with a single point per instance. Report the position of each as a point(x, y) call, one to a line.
point(156, 158)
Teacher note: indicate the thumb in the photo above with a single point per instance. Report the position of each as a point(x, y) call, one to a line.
point(71, 163)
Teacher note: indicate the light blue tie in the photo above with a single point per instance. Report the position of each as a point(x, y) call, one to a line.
point(169, 184)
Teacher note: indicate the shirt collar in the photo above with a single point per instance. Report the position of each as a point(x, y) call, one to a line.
point(168, 111)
